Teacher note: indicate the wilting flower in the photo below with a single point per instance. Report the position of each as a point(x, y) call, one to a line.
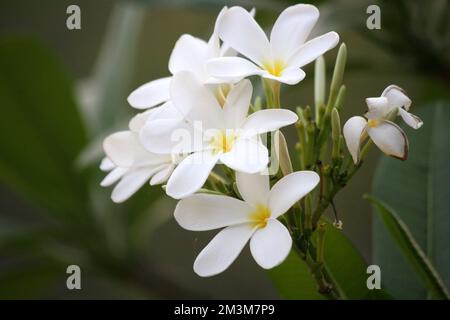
point(388, 136)
point(254, 219)
point(130, 163)
point(189, 54)
point(279, 58)
point(226, 135)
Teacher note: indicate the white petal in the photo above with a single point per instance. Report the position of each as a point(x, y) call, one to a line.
point(291, 76)
point(106, 164)
point(162, 175)
point(113, 176)
point(254, 188)
point(292, 28)
point(189, 54)
point(240, 31)
point(411, 120)
point(237, 104)
point(150, 94)
point(194, 99)
point(313, 49)
point(191, 174)
point(232, 68)
point(269, 120)
point(378, 108)
point(201, 212)
point(290, 189)
point(390, 138)
point(246, 155)
point(223, 249)
point(167, 111)
point(397, 97)
point(138, 121)
point(124, 149)
point(271, 245)
point(168, 136)
point(130, 183)
point(353, 131)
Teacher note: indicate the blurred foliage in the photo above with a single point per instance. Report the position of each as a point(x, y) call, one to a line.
point(419, 30)
point(41, 136)
point(418, 191)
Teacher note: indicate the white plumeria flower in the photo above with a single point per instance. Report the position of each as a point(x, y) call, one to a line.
point(387, 135)
point(253, 219)
point(279, 58)
point(130, 163)
point(226, 134)
point(189, 54)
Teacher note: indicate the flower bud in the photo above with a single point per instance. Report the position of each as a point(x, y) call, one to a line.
point(283, 153)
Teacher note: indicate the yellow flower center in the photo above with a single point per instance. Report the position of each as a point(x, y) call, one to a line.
point(275, 67)
point(259, 216)
point(373, 123)
point(223, 142)
point(221, 93)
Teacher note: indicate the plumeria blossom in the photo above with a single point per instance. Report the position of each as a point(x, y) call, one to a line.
point(127, 161)
point(189, 54)
point(226, 134)
point(388, 136)
point(279, 58)
point(254, 218)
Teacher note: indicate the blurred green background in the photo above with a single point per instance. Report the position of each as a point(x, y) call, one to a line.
point(62, 91)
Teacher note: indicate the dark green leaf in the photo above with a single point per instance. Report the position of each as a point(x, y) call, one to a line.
point(418, 190)
point(347, 267)
point(409, 247)
point(41, 132)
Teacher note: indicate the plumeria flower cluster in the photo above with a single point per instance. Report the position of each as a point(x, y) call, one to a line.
point(216, 147)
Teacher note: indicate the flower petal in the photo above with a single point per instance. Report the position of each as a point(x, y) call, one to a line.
point(397, 97)
point(232, 68)
point(292, 28)
point(313, 49)
point(189, 54)
point(379, 108)
point(247, 155)
point(289, 76)
point(201, 212)
point(130, 183)
point(138, 121)
point(113, 176)
point(237, 104)
point(269, 120)
point(223, 249)
point(353, 132)
point(254, 188)
point(240, 31)
point(168, 136)
point(191, 174)
point(411, 120)
point(107, 164)
point(191, 97)
point(150, 94)
point(162, 175)
point(123, 148)
point(271, 245)
point(390, 138)
point(290, 189)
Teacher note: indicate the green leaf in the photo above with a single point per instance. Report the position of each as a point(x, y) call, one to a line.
point(412, 251)
point(347, 268)
point(41, 132)
point(293, 280)
point(343, 263)
point(418, 190)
